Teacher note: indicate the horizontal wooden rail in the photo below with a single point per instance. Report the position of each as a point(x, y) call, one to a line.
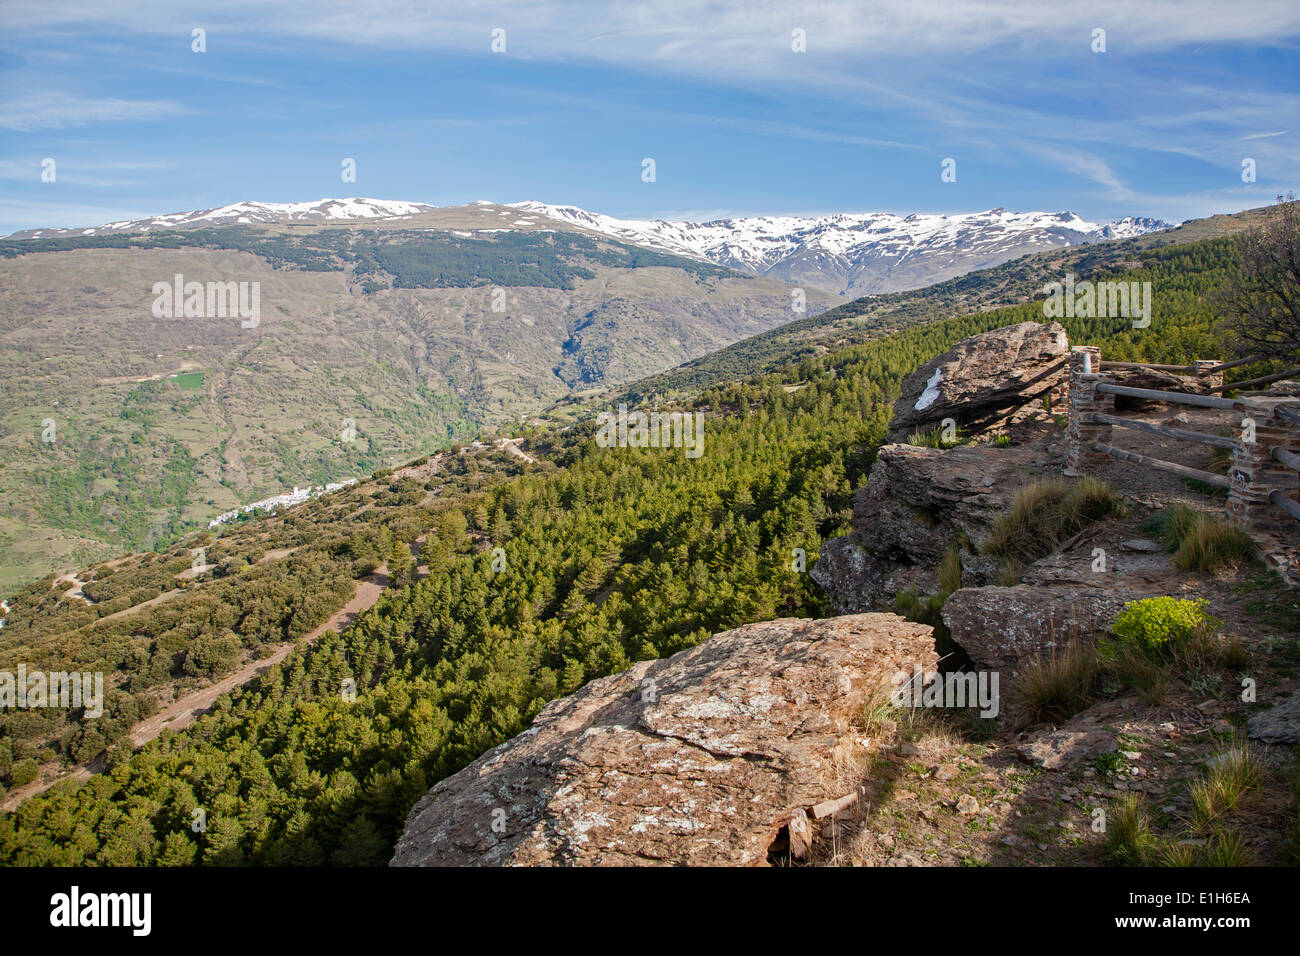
point(1287, 458)
point(1154, 368)
point(1288, 504)
point(1262, 380)
point(1200, 401)
point(1249, 360)
point(1291, 414)
point(1182, 434)
point(1209, 477)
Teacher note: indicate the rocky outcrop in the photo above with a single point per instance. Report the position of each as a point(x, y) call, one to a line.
point(982, 379)
point(1062, 597)
point(703, 758)
point(917, 502)
point(1003, 628)
point(1280, 724)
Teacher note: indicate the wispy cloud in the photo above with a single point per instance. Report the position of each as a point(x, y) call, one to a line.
point(691, 35)
point(57, 110)
point(76, 172)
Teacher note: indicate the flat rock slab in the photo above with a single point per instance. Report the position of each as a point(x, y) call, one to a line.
point(701, 758)
point(1142, 546)
point(1280, 724)
point(1063, 749)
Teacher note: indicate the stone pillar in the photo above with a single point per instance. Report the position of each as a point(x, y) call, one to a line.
point(1255, 473)
point(1207, 381)
point(1082, 431)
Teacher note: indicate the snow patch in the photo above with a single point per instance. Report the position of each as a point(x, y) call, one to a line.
point(931, 393)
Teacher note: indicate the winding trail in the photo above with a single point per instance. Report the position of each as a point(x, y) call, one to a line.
point(183, 711)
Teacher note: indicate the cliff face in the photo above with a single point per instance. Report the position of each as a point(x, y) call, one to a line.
point(916, 503)
point(702, 758)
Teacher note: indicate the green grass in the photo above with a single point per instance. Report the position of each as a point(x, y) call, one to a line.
point(1226, 848)
point(1058, 686)
point(1045, 514)
point(1128, 839)
point(1135, 668)
point(935, 439)
point(1232, 772)
point(188, 380)
point(950, 571)
point(1200, 541)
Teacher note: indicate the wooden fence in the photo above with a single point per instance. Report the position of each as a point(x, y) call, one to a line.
point(1263, 479)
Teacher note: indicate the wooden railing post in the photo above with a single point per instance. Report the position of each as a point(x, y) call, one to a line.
point(1255, 473)
point(1083, 430)
point(1207, 380)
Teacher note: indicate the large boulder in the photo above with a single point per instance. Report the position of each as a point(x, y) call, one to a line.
point(916, 503)
point(703, 758)
point(982, 379)
point(1005, 628)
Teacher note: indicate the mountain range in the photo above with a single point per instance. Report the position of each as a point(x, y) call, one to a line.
point(849, 254)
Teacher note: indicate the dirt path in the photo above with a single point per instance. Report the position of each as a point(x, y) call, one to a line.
point(511, 446)
point(182, 712)
point(75, 590)
point(165, 596)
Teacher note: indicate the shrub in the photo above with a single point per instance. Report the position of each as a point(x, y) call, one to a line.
point(1156, 624)
point(23, 772)
point(1044, 514)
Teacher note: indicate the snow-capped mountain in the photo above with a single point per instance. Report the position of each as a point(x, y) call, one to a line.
point(323, 210)
point(846, 253)
point(856, 253)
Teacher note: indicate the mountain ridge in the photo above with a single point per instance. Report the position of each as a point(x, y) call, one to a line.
point(850, 254)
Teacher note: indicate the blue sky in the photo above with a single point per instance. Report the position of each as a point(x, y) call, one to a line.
point(736, 121)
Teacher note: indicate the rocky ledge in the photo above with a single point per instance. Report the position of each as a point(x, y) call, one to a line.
point(703, 758)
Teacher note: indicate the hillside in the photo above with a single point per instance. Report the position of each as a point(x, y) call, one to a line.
point(122, 429)
point(607, 556)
